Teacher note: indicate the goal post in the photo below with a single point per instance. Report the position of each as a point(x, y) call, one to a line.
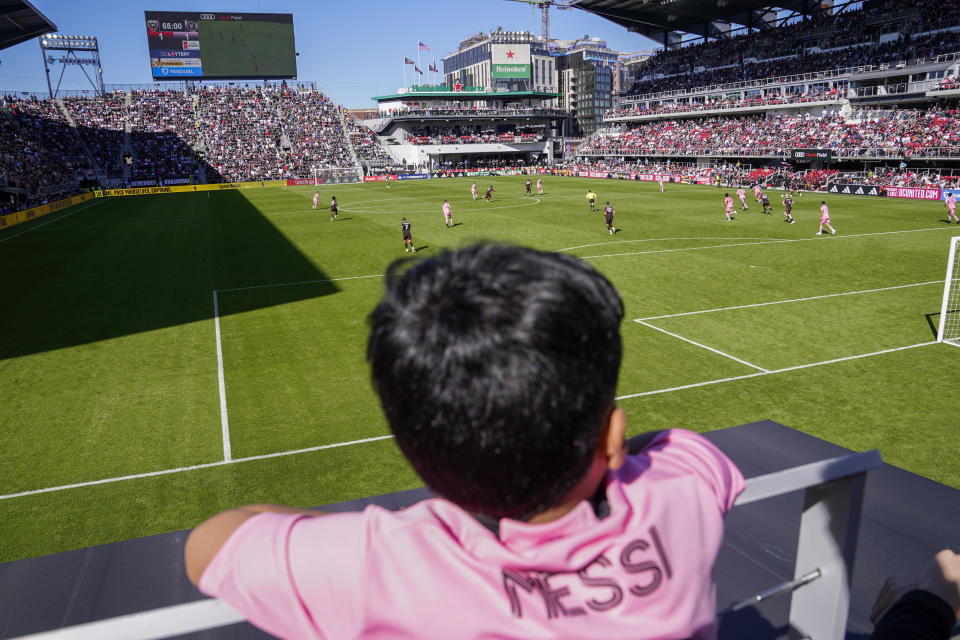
point(949, 328)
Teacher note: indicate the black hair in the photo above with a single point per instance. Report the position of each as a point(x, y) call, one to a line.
point(496, 368)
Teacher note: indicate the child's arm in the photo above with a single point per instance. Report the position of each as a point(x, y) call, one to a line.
point(206, 540)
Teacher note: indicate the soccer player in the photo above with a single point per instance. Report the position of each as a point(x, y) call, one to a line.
point(539, 186)
point(660, 182)
point(316, 199)
point(473, 191)
point(788, 207)
point(825, 219)
point(333, 209)
point(488, 196)
point(728, 206)
point(756, 191)
point(407, 238)
point(388, 181)
point(591, 200)
point(527, 185)
point(608, 212)
point(951, 204)
point(767, 208)
point(743, 199)
point(447, 216)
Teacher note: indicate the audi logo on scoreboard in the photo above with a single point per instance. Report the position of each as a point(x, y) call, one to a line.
point(806, 155)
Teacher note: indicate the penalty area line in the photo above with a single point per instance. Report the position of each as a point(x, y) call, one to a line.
point(702, 346)
point(220, 463)
point(208, 465)
point(224, 421)
point(772, 372)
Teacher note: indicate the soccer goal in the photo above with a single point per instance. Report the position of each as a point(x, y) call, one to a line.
point(949, 330)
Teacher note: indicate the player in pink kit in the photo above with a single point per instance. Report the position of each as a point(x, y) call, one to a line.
point(447, 216)
point(549, 524)
point(825, 219)
point(473, 190)
point(540, 186)
point(743, 199)
point(316, 199)
point(728, 206)
point(660, 182)
point(757, 191)
point(951, 203)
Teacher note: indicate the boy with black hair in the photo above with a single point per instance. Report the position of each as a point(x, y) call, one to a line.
point(497, 369)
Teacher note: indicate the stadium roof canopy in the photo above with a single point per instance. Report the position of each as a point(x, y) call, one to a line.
point(20, 21)
point(666, 21)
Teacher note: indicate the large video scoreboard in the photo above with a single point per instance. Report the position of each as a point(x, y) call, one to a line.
point(220, 46)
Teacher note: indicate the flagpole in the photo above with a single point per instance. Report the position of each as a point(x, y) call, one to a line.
point(404, 73)
point(418, 54)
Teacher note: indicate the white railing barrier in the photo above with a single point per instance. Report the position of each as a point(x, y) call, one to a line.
point(820, 601)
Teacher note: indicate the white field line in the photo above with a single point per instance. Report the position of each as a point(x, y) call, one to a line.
point(604, 244)
point(224, 421)
point(774, 371)
point(293, 284)
point(34, 228)
point(207, 465)
point(703, 346)
point(281, 454)
point(750, 244)
point(765, 304)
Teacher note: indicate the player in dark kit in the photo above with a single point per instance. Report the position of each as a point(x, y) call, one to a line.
point(765, 201)
point(528, 188)
point(407, 238)
point(788, 207)
point(333, 209)
point(488, 196)
point(608, 212)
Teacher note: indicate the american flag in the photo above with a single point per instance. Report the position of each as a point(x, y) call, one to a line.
point(408, 61)
point(422, 47)
point(433, 67)
point(417, 69)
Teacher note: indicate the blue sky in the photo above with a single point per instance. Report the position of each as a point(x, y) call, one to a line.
point(353, 50)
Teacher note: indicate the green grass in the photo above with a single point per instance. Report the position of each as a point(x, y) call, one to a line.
point(109, 360)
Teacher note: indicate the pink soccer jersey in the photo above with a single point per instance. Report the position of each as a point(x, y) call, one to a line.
point(951, 203)
point(741, 194)
point(728, 201)
point(824, 213)
point(473, 189)
point(446, 209)
point(643, 570)
point(756, 190)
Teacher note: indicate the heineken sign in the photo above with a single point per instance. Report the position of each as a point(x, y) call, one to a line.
point(510, 61)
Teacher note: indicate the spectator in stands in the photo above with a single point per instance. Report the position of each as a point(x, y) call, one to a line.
point(545, 516)
point(925, 607)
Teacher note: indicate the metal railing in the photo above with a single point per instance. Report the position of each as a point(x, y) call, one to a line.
point(820, 589)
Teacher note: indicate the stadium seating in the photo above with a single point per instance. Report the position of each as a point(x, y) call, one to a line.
point(880, 33)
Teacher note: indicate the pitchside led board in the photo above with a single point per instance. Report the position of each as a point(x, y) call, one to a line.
point(220, 46)
point(510, 61)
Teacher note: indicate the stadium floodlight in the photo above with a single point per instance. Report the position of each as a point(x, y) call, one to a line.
point(68, 47)
point(949, 329)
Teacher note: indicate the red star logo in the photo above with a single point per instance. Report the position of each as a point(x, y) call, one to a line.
point(510, 54)
point(458, 87)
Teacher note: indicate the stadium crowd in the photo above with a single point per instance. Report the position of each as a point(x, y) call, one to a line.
point(732, 102)
point(930, 133)
point(848, 39)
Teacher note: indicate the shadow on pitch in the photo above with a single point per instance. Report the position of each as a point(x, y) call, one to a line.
point(141, 263)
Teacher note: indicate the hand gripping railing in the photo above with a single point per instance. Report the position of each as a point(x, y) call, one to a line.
point(820, 600)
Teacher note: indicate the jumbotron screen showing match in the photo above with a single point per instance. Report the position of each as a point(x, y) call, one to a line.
point(220, 46)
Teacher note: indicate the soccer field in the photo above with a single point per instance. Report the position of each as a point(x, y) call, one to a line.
point(167, 357)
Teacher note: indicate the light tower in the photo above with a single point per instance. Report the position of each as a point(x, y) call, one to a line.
point(545, 12)
point(78, 51)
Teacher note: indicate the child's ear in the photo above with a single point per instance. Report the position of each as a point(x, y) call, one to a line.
point(614, 444)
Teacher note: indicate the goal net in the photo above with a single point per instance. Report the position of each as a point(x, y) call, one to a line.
point(949, 330)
